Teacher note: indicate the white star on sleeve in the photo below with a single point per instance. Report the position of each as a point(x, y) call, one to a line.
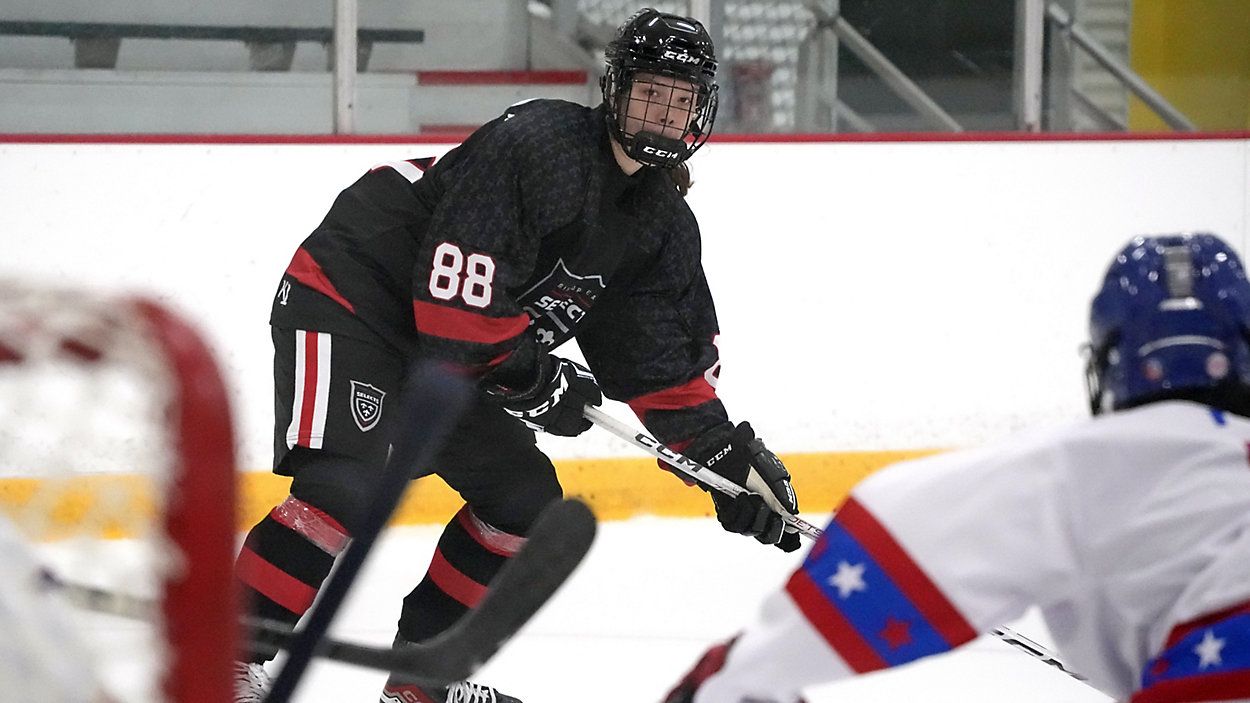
point(848, 580)
point(1208, 650)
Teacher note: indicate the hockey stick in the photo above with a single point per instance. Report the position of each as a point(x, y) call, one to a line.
point(556, 545)
point(698, 472)
point(1035, 650)
point(694, 470)
point(430, 403)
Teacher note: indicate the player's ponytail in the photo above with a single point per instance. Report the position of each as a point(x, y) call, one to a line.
point(680, 176)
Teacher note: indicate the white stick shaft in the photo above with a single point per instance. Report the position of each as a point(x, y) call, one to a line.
point(690, 467)
point(698, 472)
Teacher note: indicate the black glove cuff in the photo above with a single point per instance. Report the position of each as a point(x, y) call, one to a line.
point(544, 372)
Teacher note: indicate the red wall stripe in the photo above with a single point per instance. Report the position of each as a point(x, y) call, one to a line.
point(418, 139)
point(501, 77)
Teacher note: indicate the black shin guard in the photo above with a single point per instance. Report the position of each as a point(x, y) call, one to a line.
point(284, 560)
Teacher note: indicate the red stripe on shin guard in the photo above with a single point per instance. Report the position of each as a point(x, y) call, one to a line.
point(311, 524)
point(451, 581)
point(274, 583)
point(490, 538)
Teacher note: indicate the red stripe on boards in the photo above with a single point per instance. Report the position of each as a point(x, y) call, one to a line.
point(905, 573)
point(464, 326)
point(501, 77)
point(451, 581)
point(274, 583)
point(832, 625)
point(309, 404)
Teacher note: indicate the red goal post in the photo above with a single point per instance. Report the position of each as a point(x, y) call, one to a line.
point(117, 467)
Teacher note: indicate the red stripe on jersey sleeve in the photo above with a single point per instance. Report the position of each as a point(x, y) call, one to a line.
point(694, 392)
point(1182, 630)
point(306, 270)
point(905, 573)
point(832, 625)
point(1227, 686)
point(463, 326)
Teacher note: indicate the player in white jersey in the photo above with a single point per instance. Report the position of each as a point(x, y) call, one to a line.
point(41, 655)
point(1130, 531)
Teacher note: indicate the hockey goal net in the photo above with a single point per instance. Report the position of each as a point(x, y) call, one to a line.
point(117, 476)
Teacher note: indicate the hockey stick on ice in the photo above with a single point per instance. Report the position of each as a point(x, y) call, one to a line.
point(555, 546)
point(698, 472)
point(430, 402)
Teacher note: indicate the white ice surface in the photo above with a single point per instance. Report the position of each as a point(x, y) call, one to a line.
point(652, 594)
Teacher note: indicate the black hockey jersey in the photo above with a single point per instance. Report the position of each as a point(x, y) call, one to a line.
point(522, 237)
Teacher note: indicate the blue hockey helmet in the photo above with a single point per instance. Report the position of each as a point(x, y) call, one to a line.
point(1172, 320)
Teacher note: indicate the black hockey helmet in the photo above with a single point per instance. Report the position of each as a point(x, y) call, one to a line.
point(657, 44)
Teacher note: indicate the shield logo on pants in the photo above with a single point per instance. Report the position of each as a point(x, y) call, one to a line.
point(366, 405)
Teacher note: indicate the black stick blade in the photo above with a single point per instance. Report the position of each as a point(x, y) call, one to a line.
point(557, 544)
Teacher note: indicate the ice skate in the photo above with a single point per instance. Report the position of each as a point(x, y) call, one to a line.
point(251, 682)
point(459, 692)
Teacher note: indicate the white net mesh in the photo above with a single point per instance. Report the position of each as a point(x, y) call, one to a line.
point(91, 460)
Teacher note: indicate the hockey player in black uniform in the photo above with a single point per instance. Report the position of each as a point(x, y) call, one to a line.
point(552, 221)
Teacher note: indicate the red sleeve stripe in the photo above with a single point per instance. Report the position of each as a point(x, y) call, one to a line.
point(1226, 686)
point(832, 625)
point(306, 270)
point(694, 392)
point(1182, 630)
point(451, 581)
point(905, 573)
point(463, 326)
point(274, 583)
point(491, 538)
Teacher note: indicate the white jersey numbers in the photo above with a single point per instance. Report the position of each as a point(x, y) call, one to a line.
point(454, 275)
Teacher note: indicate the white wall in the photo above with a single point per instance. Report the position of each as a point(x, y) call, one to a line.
point(871, 295)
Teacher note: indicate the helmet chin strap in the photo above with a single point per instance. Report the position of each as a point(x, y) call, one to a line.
point(654, 150)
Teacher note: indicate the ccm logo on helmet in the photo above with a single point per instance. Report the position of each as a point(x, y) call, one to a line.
point(662, 153)
point(683, 57)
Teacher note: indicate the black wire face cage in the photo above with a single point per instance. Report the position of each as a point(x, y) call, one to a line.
point(646, 106)
point(659, 87)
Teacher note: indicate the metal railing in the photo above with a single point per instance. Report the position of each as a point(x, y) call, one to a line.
point(820, 109)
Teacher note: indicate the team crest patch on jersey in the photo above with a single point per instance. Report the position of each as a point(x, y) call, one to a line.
point(559, 301)
point(366, 405)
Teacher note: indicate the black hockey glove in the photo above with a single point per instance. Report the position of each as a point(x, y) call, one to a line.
point(555, 405)
point(741, 457)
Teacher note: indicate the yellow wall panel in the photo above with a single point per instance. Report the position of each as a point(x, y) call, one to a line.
point(1196, 53)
